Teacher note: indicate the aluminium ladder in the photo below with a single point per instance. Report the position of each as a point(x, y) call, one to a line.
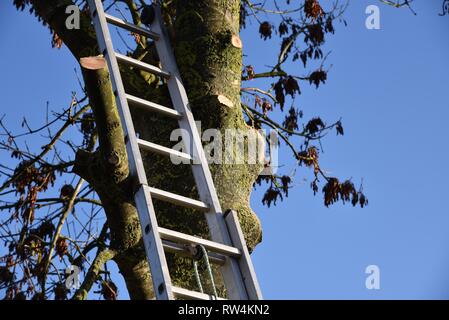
point(228, 246)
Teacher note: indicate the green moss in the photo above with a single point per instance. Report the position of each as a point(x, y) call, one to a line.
point(189, 24)
point(185, 54)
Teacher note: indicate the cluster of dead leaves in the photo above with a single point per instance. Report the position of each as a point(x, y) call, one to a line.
point(266, 30)
point(291, 120)
point(285, 86)
point(6, 275)
point(313, 126)
point(313, 10)
point(28, 176)
point(61, 247)
point(30, 180)
point(248, 72)
point(317, 77)
point(67, 191)
point(309, 158)
point(264, 104)
point(334, 191)
point(279, 187)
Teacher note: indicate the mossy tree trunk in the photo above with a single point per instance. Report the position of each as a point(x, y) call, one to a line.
point(209, 55)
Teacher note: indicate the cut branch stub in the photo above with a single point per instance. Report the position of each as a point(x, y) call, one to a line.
point(93, 63)
point(225, 101)
point(236, 42)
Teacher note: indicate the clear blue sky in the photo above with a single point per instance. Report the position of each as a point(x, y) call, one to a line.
point(390, 88)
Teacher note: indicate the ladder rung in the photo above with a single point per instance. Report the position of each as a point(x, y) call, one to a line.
point(188, 294)
point(131, 27)
point(153, 106)
point(177, 199)
point(142, 65)
point(156, 148)
point(176, 236)
point(182, 250)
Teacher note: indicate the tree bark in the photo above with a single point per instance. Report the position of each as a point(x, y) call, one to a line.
point(209, 55)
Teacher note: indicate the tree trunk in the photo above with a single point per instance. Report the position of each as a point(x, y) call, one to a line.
point(209, 55)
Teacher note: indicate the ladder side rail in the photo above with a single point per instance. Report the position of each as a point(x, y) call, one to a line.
point(247, 269)
point(160, 273)
point(106, 48)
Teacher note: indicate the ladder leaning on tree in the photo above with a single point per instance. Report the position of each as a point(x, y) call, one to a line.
point(228, 247)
